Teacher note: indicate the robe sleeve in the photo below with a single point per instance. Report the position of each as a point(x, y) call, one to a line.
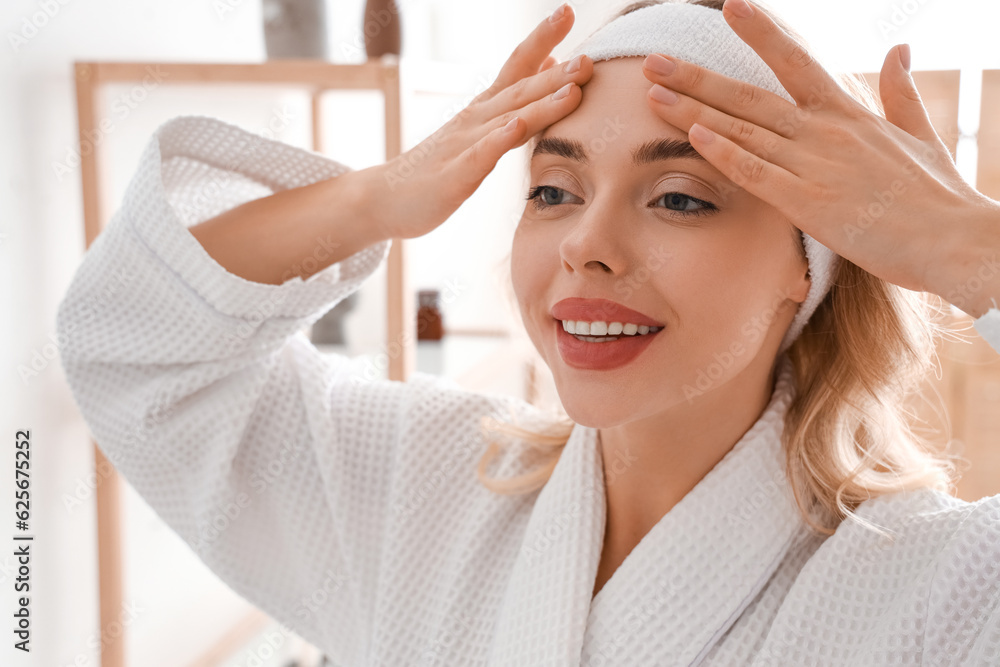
point(273, 461)
point(962, 625)
point(988, 326)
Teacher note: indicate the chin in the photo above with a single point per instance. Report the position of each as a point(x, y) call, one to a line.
point(597, 412)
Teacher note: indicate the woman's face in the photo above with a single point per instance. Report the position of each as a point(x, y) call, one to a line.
point(659, 231)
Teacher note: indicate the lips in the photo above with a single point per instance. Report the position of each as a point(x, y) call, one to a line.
point(605, 355)
point(599, 310)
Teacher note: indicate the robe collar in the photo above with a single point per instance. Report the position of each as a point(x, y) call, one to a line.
point(681, 587)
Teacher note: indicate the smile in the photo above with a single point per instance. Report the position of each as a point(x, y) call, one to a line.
point(614, 345)
point(598, 332)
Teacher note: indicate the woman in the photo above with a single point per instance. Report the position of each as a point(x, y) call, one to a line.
point(777, 513)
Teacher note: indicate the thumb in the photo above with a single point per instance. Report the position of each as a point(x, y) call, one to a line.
point(900, 98)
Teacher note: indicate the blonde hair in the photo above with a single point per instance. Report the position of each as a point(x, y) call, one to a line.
point(847, 437)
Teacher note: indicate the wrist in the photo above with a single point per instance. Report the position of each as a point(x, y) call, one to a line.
point(349, 197)
point(974, 285)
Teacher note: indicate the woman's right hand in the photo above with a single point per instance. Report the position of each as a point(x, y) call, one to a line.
point(415, 192)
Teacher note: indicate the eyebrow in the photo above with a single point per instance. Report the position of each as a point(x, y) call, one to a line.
point(655, 150)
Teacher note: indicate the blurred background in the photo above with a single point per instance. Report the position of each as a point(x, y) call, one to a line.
point(172, 610)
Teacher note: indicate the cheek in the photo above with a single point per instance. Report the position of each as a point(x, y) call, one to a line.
point(528, 267)
point(714, 282)
point(518, 263)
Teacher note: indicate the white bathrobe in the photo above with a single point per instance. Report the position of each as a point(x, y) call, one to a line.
point(348, 508)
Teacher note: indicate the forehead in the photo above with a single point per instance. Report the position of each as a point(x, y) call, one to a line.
point(614, 97)
point(615, 122)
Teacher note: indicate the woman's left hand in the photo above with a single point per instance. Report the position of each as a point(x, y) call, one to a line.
point(882, 192)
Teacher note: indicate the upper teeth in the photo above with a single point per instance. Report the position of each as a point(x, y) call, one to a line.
point(582, 328)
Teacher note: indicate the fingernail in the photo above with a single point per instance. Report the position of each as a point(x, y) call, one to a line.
point(665, 95)
point(558, 13)
point(509, 127)
point(702, 134)
point(904, 56)
point(740, 8)
point(659, 64)
point(574, 64)
point(562, 92)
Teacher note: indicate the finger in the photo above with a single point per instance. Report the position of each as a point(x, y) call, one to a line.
point(476, 163)
point(528, 56)
point(764, 180)
point(685, 111)
point(900, 98)
point(793, 65)
point(549, 62)
point(579, 70)
point(732, 96)
point(544, 112)
point(479, 159)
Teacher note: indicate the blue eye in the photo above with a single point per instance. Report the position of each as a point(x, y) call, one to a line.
point(680, 199)
point(538, 196)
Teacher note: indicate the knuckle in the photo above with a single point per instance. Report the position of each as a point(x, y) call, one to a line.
point(752, 169)
point(475, 154)
point(486, 94)
point(746, 96)
point(695, 76)
point(799, 57)
point(518, 91)
point(502, 120)
point(818, 194)
point(742, 132)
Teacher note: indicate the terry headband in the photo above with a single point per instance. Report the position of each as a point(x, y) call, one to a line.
point(700, 35)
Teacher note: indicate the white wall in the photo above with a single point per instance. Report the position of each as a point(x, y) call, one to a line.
point(41, 238)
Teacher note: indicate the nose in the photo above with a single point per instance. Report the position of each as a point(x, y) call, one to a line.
point(598, 240)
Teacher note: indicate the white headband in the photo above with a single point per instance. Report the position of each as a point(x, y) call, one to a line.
point(700, 35)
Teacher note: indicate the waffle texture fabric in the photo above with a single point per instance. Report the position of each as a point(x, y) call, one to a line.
point(347, 508)
point(701, 35)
